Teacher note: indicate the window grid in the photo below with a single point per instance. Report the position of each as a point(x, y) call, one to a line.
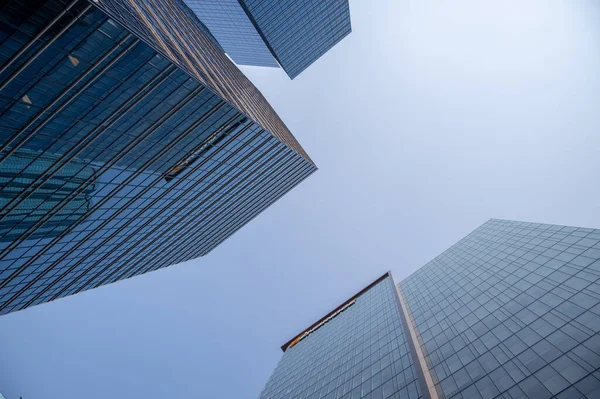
point(360, 353)
point(512, 311)
point(95, 121)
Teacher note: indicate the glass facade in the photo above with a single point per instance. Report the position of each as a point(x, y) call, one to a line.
point(288, 33)
point(511, 311)
point(298, 32)
point(74, 181)
point(361, 351)
point(233, 29)
point(129, 142)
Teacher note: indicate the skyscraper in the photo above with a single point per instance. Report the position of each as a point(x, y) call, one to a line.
point(129, 142)
point(358, 350)
point(510, 311)
point(288, 33)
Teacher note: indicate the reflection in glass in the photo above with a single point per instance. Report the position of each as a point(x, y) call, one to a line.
point(73, 184)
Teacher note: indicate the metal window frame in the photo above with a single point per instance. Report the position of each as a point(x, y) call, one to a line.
point(184, 134)
point(44, 47)
point(7, 149)
point(186, 226)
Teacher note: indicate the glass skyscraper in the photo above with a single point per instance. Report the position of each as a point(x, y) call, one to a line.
point(234, 31)
point(510, 311)
point(288, 33)
point(128, 142)
point(359, 350)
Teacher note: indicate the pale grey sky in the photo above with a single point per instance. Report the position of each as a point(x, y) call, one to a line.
point(430, 118)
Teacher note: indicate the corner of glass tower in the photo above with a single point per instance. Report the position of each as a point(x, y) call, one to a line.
point(291, 34)
point(512, 310)
point(130, 142)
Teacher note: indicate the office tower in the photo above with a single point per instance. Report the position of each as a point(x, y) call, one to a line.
point(510, 311)
point(129, 142)
point(358, 350)
point(288, 33)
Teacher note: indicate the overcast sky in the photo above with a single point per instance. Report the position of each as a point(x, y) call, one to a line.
point(430, 118)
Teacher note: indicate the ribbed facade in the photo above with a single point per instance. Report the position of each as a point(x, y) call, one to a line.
point(129, 142)
point(165, 26)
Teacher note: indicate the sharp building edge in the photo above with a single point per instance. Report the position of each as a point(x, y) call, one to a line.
point(291, 34)
point(510, 311)
point(129, 142)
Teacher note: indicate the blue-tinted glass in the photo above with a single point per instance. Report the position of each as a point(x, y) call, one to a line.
point(529, 297)
point(116, 160)
point(234, 31)
point(510, 311)
point(288, 33)
point(362, 352)
point(298, 32)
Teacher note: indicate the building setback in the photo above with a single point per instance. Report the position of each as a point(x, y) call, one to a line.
point(510, 311)
point(288, 33)
point(129, 142)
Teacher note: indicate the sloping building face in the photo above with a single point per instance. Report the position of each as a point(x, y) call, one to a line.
point(299, 32)
point(129, 142)
point(511, 311)
point(292, 34)
point(234, 31)
point(359, 350)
